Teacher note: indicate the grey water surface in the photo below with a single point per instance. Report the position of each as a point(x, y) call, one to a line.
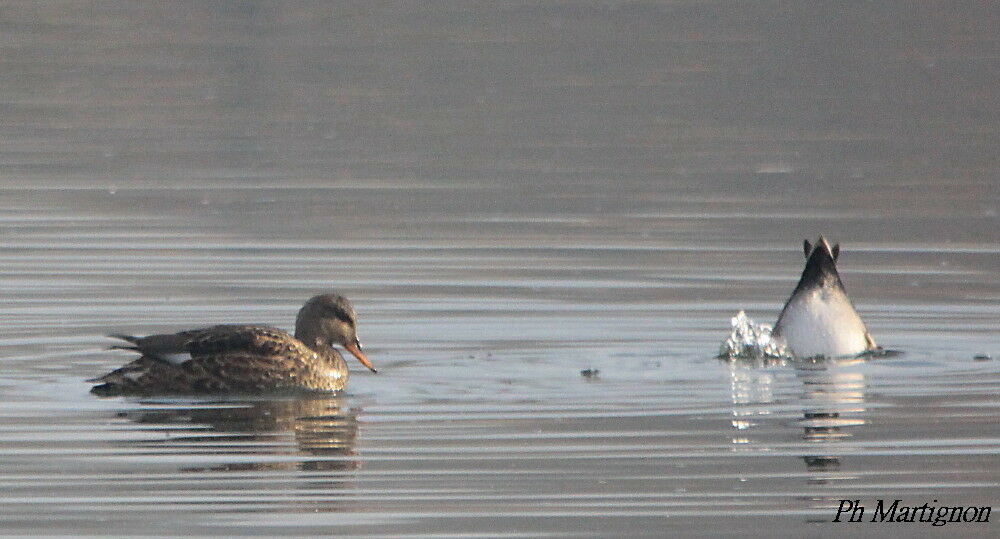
point(511, 193)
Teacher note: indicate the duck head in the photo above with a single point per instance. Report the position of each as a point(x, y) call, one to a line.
point(328, 320)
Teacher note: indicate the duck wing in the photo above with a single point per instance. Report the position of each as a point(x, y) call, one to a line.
point(179, 348)
point(217, 358)
point(247, 341)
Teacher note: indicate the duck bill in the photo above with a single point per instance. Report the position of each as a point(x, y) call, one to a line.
point(356, 351)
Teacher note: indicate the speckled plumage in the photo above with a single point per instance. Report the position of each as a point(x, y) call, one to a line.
point(243, 358)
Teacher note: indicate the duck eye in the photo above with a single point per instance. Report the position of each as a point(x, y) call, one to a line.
point(340, 315)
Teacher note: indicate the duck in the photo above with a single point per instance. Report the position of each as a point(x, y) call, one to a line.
point(819, 320)
point(243, 358)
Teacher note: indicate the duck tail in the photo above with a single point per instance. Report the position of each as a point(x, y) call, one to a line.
point(106, 389)
point(129, 338)
point(119, 381)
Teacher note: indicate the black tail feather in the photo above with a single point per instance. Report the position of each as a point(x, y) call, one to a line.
point(130, 338)
point(106, 389)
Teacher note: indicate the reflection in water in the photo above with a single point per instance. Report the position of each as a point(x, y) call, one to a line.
point(309, 434)
point(751, 385)
point(832, 400)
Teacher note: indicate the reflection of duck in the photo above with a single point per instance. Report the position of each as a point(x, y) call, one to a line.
point(244, 359)
point(833, 400)
point(324, 432)
point(819, 319)
point(835, 397)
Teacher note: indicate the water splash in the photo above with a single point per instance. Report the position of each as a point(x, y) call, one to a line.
point(750, 340)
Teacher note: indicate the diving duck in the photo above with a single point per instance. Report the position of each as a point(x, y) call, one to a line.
point(243, 359)
point(819, 320)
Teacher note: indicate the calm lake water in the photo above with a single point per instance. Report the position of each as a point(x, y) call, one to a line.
point(511, 193)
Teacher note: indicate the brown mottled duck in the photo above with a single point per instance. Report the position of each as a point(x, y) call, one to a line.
point(243, 358)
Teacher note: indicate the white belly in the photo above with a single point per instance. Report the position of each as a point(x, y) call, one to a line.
point(822, 322)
